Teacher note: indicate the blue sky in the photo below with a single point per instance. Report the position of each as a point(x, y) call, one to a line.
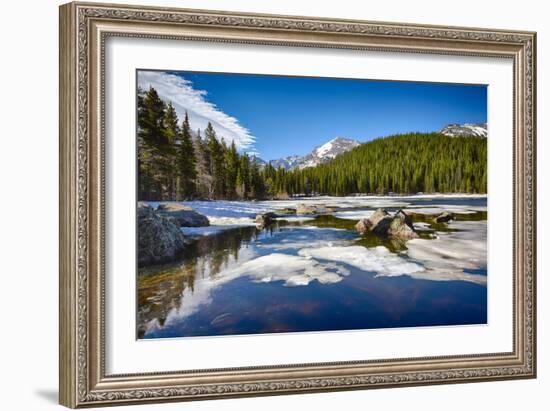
point(277, 116)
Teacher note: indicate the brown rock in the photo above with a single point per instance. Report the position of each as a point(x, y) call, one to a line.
point(159, 240)
point(444, 217)
point(182, 215)
point(264, 220)
point(383, 224)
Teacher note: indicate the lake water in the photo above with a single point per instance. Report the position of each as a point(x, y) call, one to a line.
point(315, 273)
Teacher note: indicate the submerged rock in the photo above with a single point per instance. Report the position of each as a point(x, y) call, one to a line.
point(159, 240)
point(313, 209)
point(182, 216)
point(444, 217)
point(266, 219)
point(384, 224)
point(285, 211)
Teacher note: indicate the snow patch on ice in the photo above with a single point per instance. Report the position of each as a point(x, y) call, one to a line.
point(452, 252)
point(383, 263)
point(421, 226)
point(293, 270)
point(378, 260)
point(439, 209)
point(232, 221)
point(354, 214)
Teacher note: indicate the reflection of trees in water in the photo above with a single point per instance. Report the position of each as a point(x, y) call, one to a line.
point(160, 288)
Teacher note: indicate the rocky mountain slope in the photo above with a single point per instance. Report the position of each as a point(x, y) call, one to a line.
point(320, 154)
point(467, 129)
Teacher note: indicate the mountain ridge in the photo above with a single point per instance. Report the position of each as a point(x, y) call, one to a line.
point(466, 129)
point(339, 145)
point(320, 154)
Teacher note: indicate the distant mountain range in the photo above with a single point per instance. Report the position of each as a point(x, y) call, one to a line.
point(320, 154)
point(467, 129)
point(339, 145)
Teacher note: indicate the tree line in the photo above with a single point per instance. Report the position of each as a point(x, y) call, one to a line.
point(403, 164)
point(176, 163)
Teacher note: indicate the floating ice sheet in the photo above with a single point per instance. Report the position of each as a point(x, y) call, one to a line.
point(452, 252)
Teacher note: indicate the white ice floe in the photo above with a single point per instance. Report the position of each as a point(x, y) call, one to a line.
point(422, 226)
point(293, 270)
point(439, 209)
point(377, 260)
point(231, 221)
point(299, 244)
point(354, 214)
point(383, 263)
point(295, 218)
point(452, 252)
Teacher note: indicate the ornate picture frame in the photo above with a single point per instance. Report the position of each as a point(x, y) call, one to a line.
point(84, 29)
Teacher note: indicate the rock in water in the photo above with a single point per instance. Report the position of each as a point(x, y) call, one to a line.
point(182, 215)
point(159, 240)
point(285, 211)
point(305, 209)
point(378, 216)
point(313, 209)
point(362, 225)
point(401, 226)
point(444, 217)
point(367, 224)
point(266, 219)
point(383, 224)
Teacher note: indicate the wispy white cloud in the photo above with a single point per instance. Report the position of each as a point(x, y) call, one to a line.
point(185, 97)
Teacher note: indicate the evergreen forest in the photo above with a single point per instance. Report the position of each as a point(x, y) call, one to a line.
point(178, 163)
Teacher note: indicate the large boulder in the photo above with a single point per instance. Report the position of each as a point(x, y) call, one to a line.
point(264, 220)
point(182, 215)
point(444, 217)
point(383, 224)
point(367, 224)
point(159, 240)
point(401, 226)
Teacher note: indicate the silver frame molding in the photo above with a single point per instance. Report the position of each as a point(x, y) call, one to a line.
point(84, 27)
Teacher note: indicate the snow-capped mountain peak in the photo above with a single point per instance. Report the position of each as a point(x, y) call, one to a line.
point(334, 147)
point(320, 154)
point(328, 151)
point(467, 129)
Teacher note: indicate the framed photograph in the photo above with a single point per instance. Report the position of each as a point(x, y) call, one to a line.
point(259, 204)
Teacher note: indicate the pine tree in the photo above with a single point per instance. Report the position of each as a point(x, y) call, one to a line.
point(167, 153)
point(151, 144)
point(231, 169)
point(187, 172)
point(216, 162)
point(256, 183)
point(243, 177)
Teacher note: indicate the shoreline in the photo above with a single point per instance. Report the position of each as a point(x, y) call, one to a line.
point(309, 198)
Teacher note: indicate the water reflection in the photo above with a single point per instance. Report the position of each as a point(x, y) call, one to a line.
point(243, 280)
point(160, 288)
